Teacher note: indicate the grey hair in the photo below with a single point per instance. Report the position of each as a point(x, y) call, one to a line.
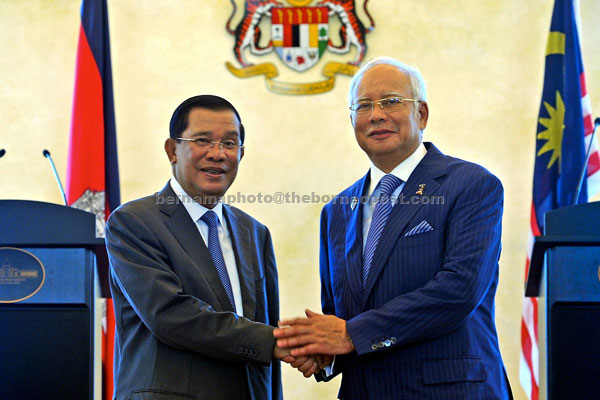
point(417, 83)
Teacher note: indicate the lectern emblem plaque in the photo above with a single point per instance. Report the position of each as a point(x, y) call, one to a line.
point(21, 275)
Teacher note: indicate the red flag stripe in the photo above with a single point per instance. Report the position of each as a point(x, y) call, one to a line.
point(85, 168)
point(529, 340)
point(109, 345)
point(535, 229)
point(594, 164)
point(529, 323)
point(582, 84)
point(526, 345)
point(588, 125)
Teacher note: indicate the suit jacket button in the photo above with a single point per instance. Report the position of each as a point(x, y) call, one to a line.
point(388, 343)
point(374, 346)
point(380, 345)
point(393, 340)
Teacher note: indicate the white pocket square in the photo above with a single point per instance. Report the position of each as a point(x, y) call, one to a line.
point(422, 227)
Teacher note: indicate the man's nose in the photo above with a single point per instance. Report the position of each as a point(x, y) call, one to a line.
point(377, 113)
point(215, 152)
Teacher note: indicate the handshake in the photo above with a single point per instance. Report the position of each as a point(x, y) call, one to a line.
point(310, 343)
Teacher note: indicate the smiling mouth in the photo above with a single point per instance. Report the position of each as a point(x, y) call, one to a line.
point(213, 171)
point(380, 133)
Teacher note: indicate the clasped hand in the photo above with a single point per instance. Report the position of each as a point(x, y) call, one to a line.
point(312, 341)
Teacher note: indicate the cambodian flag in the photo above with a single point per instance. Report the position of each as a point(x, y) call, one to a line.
point(92, 170)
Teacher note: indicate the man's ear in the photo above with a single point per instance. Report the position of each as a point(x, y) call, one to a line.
point(170, 145)
point(241, 154)
point(423, 114)
point(351, 120)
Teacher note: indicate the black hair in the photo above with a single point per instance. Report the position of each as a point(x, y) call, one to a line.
point(179, 120)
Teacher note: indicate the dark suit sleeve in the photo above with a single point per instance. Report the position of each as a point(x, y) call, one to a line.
point(468, 268)
point(272, 284)
point(141, 272)
point(327, 300)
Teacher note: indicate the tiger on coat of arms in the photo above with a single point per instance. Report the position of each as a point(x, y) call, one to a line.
point(353, 31)
point(247, 33)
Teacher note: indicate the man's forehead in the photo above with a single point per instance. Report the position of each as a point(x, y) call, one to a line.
point(225, 123)
point(217, 117)
point(383, 79)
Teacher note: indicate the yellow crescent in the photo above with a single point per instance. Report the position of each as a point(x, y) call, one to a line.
point(299, 3)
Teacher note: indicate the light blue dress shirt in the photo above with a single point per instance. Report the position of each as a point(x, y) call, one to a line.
point(196, 211)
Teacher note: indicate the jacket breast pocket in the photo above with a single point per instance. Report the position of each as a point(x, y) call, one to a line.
point(454, 369)
point(420, 239)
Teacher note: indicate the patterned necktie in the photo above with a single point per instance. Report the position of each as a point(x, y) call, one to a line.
point(382, 210)
point(214, 247)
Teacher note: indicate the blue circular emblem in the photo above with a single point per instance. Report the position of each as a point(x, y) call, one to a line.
point(21, 275)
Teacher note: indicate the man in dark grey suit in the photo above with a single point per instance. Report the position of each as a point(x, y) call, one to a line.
point(194, 281)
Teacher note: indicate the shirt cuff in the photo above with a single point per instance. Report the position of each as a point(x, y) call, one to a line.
point(328, 369)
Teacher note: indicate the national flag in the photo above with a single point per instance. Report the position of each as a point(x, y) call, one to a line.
point(92, 170)
point(563, 136)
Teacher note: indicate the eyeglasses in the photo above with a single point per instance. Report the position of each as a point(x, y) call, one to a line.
point(362, 107)
point(228, 146)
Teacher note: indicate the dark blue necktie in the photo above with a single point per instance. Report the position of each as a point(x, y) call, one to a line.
point(382, 210)
point(214, 247)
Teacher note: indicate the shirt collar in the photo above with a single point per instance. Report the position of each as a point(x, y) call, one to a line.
point(195, 209)
point(402, 170)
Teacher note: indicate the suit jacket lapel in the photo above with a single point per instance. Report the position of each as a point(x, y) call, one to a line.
point(240, 240)
point(431, 167)
point(354, 235)
point(186, 232)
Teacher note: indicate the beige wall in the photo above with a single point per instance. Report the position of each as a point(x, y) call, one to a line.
point(483, 62)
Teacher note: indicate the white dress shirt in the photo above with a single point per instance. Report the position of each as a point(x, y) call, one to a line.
point(402, 171)
point(196, 211)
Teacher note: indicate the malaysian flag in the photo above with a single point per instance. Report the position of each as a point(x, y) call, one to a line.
point(562, 139)
point(92, 170)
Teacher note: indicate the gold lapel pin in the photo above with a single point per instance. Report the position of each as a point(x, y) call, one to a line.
point(421, 188)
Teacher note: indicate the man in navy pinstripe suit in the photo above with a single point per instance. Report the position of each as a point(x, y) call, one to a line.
point(408, 285)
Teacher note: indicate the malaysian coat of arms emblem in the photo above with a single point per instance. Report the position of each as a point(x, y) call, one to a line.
point(300, 36)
